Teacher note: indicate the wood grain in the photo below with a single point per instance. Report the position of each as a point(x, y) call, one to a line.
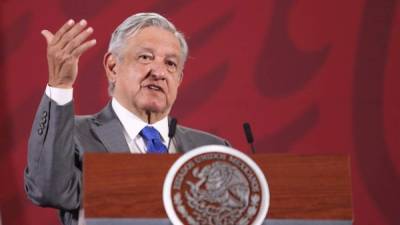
point(301, 186)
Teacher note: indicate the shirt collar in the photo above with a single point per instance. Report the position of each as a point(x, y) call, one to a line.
point(133, 124)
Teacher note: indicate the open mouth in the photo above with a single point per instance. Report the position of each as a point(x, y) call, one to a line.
point(154, 87)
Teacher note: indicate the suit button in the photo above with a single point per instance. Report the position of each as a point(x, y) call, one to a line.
point(41, 125)
point(43, 120)
point(44, 114)
point(40, 131)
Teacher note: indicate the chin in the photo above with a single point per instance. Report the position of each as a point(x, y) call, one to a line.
point(155, 107)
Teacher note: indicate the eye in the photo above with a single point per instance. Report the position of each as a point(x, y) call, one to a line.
point(145, 58)
point(172, 66)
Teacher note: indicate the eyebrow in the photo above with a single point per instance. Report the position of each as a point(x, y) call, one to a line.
point(144, 49)
point(169, 56)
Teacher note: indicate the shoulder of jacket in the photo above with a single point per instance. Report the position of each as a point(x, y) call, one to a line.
point(192, 131)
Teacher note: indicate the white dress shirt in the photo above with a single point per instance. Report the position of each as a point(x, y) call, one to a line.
point(130, 122)
point(133, 125)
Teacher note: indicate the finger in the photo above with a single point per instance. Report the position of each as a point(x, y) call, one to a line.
point(47, 35)
point(66, 27)
point(72, 33)
point(78, 40)
point(84, 47)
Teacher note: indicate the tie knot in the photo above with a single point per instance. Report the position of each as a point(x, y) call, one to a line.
point(150, 133)
point(152, 139)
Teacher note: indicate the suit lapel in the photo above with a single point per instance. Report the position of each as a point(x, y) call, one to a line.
point(182, 142)
point(108, 129)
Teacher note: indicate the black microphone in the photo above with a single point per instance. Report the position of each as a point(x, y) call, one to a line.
point(249, 136)
point(171, 130)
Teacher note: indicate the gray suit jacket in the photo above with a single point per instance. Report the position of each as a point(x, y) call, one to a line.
point(53, 176)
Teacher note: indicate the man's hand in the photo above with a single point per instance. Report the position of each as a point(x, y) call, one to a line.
point(63, 51)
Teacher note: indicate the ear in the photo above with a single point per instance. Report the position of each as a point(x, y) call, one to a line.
point(110, 64)
point(180, 79)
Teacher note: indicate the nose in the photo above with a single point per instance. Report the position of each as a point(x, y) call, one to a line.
point(158, 70)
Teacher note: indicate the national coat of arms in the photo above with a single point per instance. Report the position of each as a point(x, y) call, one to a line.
point(215, 185)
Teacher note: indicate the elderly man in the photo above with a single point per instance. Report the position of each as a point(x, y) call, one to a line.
point(144, 67)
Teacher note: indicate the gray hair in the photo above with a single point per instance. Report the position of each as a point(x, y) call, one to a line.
point(137, 22)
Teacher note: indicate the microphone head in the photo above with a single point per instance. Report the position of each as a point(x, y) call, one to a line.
point(248, 133)
point(172, 127)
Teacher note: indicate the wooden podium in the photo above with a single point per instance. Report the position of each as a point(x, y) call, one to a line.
point(122, 189)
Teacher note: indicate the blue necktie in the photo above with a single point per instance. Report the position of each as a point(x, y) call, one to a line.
point(153, 141)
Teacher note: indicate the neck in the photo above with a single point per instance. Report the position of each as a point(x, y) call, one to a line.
point(152, 117)
point(147, 116)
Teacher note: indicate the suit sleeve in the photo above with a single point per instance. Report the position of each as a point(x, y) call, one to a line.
point(53, 174)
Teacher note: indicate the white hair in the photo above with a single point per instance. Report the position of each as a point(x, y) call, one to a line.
point(139, 21)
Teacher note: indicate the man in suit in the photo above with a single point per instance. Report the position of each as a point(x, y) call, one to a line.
point(144, 67)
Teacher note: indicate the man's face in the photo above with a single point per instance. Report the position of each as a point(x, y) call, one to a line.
point(148, 72)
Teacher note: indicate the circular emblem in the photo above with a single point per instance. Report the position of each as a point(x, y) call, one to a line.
point(215, 185)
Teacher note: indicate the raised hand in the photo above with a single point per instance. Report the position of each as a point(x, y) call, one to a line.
point(63, 51)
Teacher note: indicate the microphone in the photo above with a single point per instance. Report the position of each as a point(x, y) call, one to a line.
point(171, 131)
point(249, 136)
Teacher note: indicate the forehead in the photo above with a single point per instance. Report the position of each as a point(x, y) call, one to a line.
point(155, 38)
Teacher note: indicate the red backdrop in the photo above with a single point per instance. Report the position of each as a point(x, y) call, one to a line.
point(310, 76)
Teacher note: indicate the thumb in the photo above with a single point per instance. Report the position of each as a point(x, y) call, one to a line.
point(47, 35)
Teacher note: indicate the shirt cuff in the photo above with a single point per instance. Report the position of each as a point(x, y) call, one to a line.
point(61, 96)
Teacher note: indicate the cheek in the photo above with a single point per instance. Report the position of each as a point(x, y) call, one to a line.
point(131, 78)
point(174, 90)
